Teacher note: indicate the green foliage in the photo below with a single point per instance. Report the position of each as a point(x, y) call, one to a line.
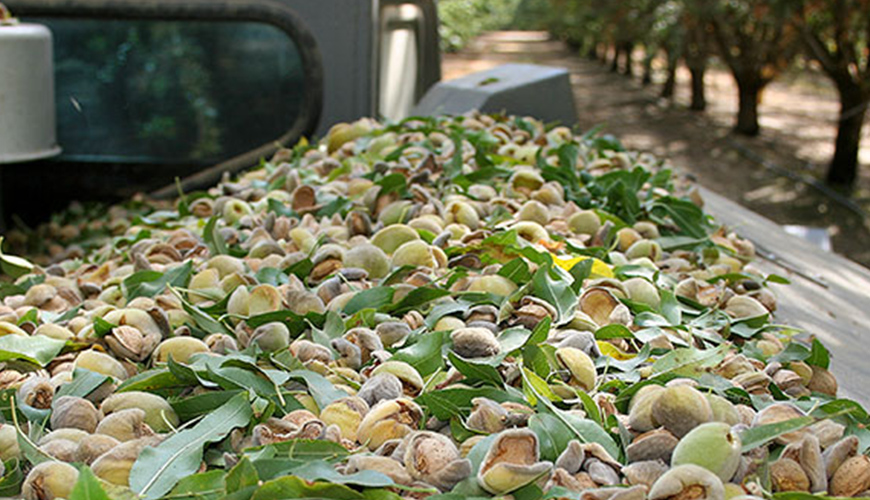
point(462, 20)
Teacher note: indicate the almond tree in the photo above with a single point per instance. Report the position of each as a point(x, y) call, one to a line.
point(757, 39)
point(837, 33)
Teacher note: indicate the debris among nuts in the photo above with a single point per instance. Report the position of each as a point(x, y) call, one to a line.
point(477, 305)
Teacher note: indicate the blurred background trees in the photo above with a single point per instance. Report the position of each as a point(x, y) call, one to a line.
point(756, 40)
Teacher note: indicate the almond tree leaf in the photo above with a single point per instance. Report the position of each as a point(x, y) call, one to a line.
point(425, 354)
point(202, 319)
point(318, 470)
point(476, 370)
point(557, 292)
point(758, 436)
point(415, 299)
point(374, 298)
point(819, 355)
point(152, 283)
point(194, 406)
point(213, 239)
point(37, 349)
point(10, 483)
point(689, 362)
point(671, 308)
point(448, 403)
point(292, 487)
point(12, 265)
point(299, 450)
point(319, 387)
point(614, 331)
point(203, 486)
point(242, 475)
point(158, 469)
point(83, 383)
point(87, 487)
point(553, 437)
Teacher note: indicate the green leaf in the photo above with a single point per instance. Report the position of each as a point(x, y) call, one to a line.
point(792, 352)
point(291, 488)
point(87, 487)
point(202, 319)
point(203, 486)
point(338, 205)
point(158, 469)
point(242, 475)
point(151, 381)
point(517, 271)
point(392, 183)
point(301, 269)
point(12, 265)
point(759, 436)
point(415, 299)
point(589, 432)
point(614, 331)
point(580, 271)
point(102, 327)
point(541, 332)
point(556, 292)
point(425, 354)
point(685, 214)
point(213, 239)
point(151, 283)
point(534, 387)
point(775, 278)
point(553, 437)
point(319, 387)
point(194, 406)
point(319, 470)
point(819, 355)
point(83, 383)
point(37, 349)
point(476, 370)
point(689, 362)
point(374, 298)
point(671, 309)
point(300, 450)
point(447, 403)
point(28, 448)
point(10, 483)
point(271, 276)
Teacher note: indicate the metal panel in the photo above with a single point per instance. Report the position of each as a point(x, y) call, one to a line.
point(517, 89)
point(343, 30)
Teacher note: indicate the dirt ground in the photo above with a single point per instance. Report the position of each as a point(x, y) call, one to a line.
point(766, 174)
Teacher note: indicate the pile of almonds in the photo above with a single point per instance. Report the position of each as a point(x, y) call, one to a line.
point(449, 307)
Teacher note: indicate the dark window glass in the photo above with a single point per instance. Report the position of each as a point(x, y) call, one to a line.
point(172, 91)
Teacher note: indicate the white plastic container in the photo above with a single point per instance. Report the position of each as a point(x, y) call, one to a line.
point(27, 112)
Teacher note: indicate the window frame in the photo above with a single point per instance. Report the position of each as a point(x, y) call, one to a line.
point(429, 66)
point(271, 12)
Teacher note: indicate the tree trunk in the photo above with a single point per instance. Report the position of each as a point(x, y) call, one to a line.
point(699, 99)
point(671, 81)
point(614, 65)
point(592, 52)
point(627, 51)
point(844, 166)
point(749, 90)
point(648, 57)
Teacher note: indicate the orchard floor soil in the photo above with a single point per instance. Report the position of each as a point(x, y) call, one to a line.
point(830, 295)
point(798, 116)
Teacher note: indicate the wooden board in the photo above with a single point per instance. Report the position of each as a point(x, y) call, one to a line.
point(829, 296)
